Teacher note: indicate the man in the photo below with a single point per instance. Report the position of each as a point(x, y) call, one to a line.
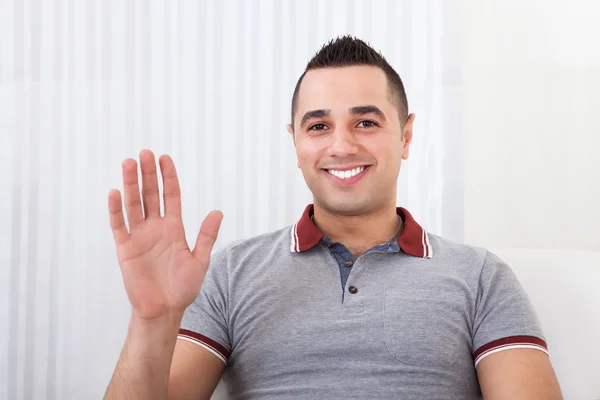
point(355, 300)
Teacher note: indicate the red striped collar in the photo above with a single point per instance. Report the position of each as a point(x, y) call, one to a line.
point(413, 241)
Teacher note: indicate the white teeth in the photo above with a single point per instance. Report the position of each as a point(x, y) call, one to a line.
point(346, 174)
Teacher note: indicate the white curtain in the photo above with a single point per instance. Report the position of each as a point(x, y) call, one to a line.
point(84, 85)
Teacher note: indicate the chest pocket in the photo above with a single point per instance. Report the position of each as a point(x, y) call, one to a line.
point(428, 329)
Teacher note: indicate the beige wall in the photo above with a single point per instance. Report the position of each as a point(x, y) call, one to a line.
point(531, 73)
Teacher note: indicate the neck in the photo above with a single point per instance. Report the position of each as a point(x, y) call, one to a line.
point(359, 232)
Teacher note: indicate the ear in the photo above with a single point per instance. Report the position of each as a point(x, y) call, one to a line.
point(407, 135)
point(290, 130)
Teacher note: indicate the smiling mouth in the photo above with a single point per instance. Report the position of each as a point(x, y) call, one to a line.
point(346, 174)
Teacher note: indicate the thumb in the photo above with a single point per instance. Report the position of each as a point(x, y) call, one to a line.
point(207, 236)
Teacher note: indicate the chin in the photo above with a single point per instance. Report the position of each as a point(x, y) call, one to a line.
point(346, 207)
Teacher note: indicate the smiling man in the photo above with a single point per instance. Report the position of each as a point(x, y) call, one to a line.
point(355, 300)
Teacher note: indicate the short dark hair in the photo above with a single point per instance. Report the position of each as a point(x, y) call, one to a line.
point(348, 51)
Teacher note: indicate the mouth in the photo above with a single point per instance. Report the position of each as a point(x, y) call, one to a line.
point(347, 176)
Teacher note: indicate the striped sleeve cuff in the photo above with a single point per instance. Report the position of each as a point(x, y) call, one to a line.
point(507, 343)
point(205, 342)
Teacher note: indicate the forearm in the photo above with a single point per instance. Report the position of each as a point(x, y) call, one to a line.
point(142, 371)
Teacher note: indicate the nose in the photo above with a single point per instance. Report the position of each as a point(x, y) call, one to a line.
point(343, 144)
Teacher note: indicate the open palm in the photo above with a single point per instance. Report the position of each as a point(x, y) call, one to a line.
point(160, 273)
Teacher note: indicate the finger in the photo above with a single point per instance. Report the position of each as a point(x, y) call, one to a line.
point(150, 196)
point(117, 219)
point(207, 236)
point(171, 189)
point(131, 189)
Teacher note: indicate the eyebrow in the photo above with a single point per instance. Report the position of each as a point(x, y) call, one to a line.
point(362, 110)
point(314, 114)
point(358, 110)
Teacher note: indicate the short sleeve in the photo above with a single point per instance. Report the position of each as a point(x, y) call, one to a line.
point(205, 321)
point(504, 316)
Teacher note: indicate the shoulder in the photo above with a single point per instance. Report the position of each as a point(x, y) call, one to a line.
point(267, 246)
point(465, 257)
point(452, 252)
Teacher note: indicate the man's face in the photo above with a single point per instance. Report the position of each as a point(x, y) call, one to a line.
point(348, 137)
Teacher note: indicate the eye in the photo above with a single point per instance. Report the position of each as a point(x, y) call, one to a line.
point(317, 127)
point(367, 123)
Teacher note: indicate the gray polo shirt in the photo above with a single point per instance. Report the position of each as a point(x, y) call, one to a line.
point(413, 320)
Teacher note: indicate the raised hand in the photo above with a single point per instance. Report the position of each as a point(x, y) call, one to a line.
point(161, 275)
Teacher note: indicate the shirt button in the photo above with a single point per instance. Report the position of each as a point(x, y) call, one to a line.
point(348, 263)
point(352, 289)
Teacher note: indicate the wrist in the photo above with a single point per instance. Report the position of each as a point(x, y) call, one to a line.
point(164, 322)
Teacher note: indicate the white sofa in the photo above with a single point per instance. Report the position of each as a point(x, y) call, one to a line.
point(564, 287)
